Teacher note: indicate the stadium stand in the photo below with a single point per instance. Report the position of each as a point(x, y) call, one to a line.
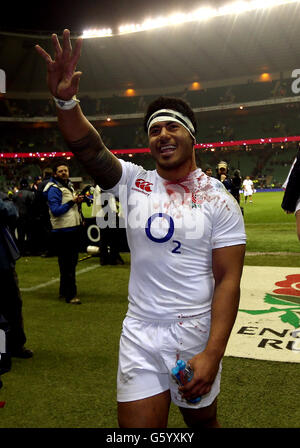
point(279, 120)
point(232, 101)
point(116, 104)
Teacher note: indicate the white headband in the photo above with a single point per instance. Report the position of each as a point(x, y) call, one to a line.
point(171, 115)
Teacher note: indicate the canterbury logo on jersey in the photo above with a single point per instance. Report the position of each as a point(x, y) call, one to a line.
point(143, 185)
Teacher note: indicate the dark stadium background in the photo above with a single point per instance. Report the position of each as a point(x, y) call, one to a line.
point(227, 56)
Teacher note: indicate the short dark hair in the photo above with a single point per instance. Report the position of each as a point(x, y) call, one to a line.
point(165, 102)
point(58, 163)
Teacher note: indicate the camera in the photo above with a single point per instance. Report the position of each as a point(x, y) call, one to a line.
point(86, 195)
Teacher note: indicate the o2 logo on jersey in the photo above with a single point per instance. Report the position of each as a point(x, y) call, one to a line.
point(169, 231)
point(143, 185)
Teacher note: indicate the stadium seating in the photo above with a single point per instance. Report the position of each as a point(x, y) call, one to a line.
point(214, 125)
point(118, 104)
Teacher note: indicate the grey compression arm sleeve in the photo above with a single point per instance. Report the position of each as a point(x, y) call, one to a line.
point(98, 161)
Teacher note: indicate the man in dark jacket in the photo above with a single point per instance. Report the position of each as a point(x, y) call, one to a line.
point(10, 298)
point(222, 175)
point(41, 225)
point(236, 185)
point(291, 199)
point(23, 200)
point(292, 187)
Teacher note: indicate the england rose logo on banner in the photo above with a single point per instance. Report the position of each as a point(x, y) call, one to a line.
point(267, 326)
point(290, 286)
point(288, 296)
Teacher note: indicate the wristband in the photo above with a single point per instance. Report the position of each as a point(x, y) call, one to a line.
point(66, 105)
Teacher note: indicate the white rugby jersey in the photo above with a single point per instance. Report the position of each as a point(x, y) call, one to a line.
point(172, 228)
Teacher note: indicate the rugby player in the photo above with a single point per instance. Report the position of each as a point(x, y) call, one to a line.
point(187, 241)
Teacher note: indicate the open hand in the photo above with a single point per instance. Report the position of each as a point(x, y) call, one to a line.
point(62, 79)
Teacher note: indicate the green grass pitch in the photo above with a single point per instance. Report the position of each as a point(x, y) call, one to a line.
point(71, 380)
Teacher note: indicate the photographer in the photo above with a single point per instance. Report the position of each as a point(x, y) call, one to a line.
point(66, 224)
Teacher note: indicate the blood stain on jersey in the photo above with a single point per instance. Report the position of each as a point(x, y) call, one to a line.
point(194, 190)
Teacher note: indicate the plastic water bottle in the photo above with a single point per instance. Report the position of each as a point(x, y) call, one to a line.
point(182, 375)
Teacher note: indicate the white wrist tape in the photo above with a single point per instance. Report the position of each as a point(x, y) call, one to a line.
point(66, 105)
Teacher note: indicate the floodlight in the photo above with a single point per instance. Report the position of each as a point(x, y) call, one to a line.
point(105, 32)
point(200, 14)
point(203, 14)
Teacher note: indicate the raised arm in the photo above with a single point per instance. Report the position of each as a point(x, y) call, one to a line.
point(80, 135)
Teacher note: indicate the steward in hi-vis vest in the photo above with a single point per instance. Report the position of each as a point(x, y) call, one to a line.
point(66, 228)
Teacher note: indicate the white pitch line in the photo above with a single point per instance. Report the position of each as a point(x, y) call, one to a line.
point(55, 280)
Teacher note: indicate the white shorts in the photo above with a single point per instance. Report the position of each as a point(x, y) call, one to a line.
point(150, 349)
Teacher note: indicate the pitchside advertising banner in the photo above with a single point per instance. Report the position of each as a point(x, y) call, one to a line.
point(92, 235)
point(268, 321)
